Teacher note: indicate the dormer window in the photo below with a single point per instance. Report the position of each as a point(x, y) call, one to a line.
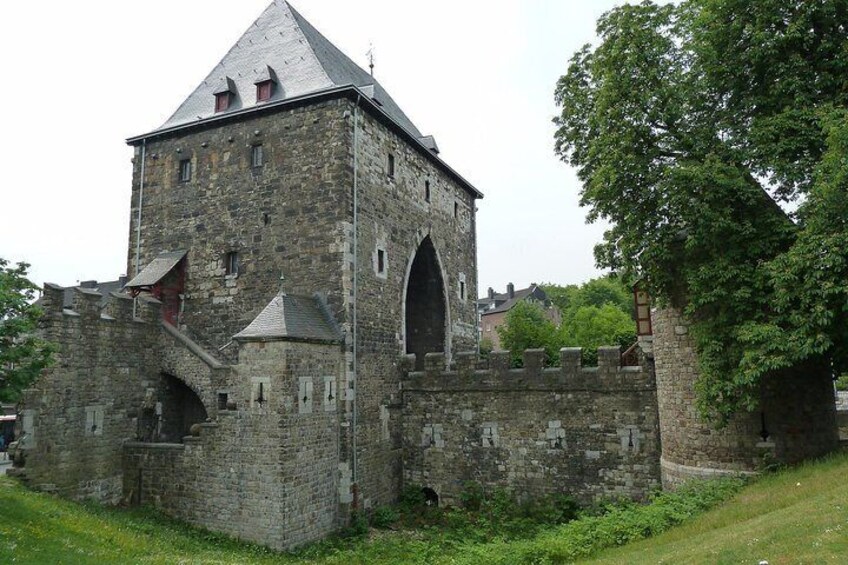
point(265, 83)
point(264, 90)
point(222, 101)
point(224, 94)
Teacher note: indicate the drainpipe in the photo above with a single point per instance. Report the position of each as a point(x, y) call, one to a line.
point(477, 319)
point(138, 219)
point(354, 458)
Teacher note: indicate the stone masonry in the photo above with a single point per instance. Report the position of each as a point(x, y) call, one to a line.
point(797, 417)
point(585, 431)
point(348, 384)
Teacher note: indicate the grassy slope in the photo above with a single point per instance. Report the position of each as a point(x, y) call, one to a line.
point(37, 528)
point(775, 519)
point(799, 516)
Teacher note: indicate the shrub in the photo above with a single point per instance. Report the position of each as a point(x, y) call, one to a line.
point(472, 496)
point(412, 497)
point(385, 517)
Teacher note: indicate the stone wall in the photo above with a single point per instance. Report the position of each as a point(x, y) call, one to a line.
point(294, 215)
point(79, 412)
point(267, 469)
point(395, 216)
point(585, 431)
point(797, 413)
point(287, 216)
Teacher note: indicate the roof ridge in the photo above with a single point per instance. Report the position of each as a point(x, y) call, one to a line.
point(296, 15)
point(232, 48)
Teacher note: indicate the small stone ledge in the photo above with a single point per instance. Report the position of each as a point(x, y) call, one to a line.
point(142, 445)
point(676, 473)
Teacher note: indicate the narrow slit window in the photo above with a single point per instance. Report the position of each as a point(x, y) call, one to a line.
point(456, 209)
point(257, 156)
point(381, 261)
point(231, 263)
point(426, 191)
point(185, 170)
point(462, 290)
point(390, 167)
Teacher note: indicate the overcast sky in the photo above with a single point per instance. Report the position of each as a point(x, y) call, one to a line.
point(80, 77)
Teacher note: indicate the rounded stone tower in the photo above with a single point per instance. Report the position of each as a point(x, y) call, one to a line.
point(796, 420)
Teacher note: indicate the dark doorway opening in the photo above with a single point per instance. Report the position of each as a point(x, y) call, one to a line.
point(425, 305)
point(177, 410)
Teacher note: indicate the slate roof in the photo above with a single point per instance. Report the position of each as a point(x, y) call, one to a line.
point(297, 318)
point(104, 288)
point(504, 303)
point(158, 268)
point(304, 62)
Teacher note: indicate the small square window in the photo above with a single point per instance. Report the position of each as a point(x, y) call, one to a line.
point(264, 90)
point(257, 156)
point(222, 101)
point(231, 263)
point(185, 170)
point(390, 169)
point(426, 191)
point(223, 398)
point(381, 261)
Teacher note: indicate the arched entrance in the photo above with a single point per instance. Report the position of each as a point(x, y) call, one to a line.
point(425, 304)
point(170, 415)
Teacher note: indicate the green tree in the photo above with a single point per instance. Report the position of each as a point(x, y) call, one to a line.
point(22, 354)
point(598, 312)
point(590, 327)
point(596, 292)
point(527, 327)
point(688, 125)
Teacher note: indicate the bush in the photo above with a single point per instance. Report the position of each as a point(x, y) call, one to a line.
point(412, 498)
point(384, 517)
point(358, 526)
point(472, 495)
point(617, 525)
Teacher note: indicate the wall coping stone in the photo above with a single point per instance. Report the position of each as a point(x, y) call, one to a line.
point(193, 347)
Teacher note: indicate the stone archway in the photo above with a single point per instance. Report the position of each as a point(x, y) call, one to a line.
point(425, 317)
point(176, 409)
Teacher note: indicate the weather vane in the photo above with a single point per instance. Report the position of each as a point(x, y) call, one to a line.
point(370, 55)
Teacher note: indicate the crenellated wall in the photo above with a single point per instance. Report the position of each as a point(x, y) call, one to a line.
point(584, 431)
point(79, 412)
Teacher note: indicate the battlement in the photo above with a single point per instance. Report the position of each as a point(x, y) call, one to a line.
point(469, 371)
point(91, 305)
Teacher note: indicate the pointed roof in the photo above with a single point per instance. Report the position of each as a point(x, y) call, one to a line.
point(304, 62)
point(157, 269)
point(296, 318)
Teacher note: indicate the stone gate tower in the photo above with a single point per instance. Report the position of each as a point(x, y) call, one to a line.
point(290, 159)
point(293, 235)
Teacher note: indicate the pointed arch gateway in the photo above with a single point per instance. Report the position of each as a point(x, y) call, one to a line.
point(425, 317)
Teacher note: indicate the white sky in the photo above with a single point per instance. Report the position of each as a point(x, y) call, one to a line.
point(80, 77)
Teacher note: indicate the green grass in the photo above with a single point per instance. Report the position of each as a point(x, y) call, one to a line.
point(797, 516)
